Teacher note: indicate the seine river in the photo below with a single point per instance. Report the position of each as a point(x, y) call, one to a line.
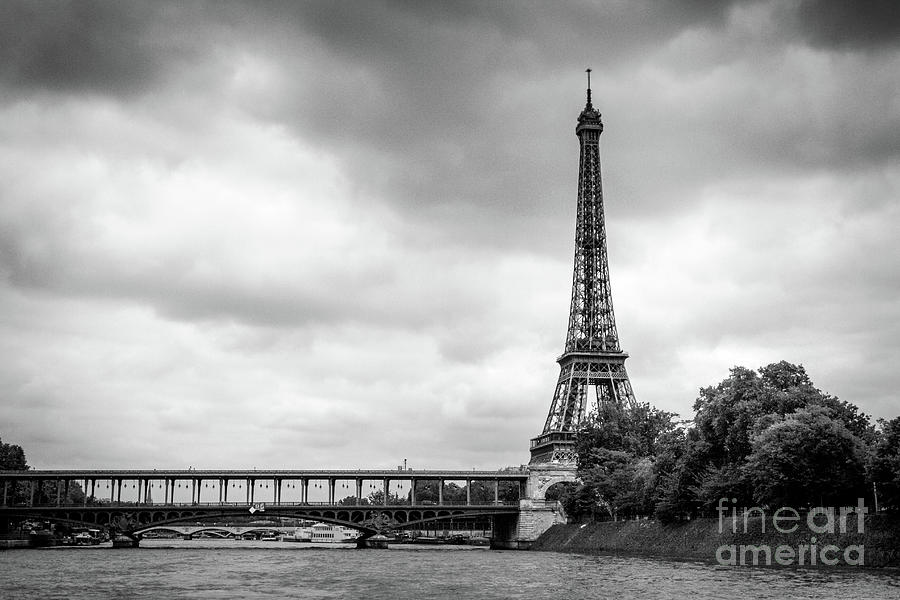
point(201, 569)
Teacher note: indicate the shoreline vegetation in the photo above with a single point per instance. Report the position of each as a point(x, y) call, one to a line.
point(763, 440)
point(770, 470)
point(700, 540)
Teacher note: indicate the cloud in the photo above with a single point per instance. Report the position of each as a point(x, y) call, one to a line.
point(861, 26)
point(299, 233)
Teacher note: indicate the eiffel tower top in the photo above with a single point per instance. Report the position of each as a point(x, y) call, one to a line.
point(590, 116)
point(592, 323)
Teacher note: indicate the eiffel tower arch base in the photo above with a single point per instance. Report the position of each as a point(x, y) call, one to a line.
point(536, 513)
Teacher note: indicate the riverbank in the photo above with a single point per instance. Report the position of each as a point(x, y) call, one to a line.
point(701, 539)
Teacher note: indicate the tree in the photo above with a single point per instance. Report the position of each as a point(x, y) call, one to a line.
point(12, 457)
point(883, 467)
point(636, 429)
point(377, 498)
point(808, 458)
point(729, 417)
point(616, 451)
point(481, 492)
point(561, 491)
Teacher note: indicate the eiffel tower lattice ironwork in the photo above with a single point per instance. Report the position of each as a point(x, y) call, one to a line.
point(592, 366)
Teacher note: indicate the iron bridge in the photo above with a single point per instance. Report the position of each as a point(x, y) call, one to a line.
point(154, 498)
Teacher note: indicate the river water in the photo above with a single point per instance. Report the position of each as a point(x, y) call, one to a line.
point(200, 569)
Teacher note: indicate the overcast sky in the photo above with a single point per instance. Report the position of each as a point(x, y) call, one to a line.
point(340, 234)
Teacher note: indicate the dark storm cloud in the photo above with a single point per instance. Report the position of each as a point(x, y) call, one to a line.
point(860, 25)
point(94, 47)
point(415, 95)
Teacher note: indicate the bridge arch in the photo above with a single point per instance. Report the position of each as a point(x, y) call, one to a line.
point(541, 479)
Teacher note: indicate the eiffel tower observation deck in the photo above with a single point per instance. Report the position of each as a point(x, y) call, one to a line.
point(592, 366)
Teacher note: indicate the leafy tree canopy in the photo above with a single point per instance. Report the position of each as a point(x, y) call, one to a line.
point(807, 458)
point(12, 457)
point(884, 464)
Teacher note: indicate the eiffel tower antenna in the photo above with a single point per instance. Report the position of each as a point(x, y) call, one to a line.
point(588, 71)
point(592, 365)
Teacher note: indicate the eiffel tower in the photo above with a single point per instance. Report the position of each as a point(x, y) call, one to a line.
point(592, 366)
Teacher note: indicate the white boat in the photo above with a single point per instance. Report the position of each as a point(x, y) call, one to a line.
point(325, 533)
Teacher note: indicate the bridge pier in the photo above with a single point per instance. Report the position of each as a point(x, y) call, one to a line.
point(519, 532)
point(536, 513)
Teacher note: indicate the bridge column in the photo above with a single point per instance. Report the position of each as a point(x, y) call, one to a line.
point(93, 490)
point(332, 482)
point(252, 491)
point(119, 491)
point(5, 490)
point(496, 491)
point(304, 491)
point(359, 483)
point(412, 491)
point(387, 484)
point(278, 491)
point(440, 491)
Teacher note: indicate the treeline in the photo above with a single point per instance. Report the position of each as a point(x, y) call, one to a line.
point(12, 458)
point(768, 438)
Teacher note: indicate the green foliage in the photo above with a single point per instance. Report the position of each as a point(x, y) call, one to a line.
point(482, 492)
point(377, 498)
point(560, 491)
point(12, 457)
point(768, 437)
point(884, 464)
point(636, 429)
point(761, 437)
point(616, 453)
point(808, 458)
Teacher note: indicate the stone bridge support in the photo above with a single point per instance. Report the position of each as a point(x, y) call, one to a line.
point(519, 532)
point(536, 513)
